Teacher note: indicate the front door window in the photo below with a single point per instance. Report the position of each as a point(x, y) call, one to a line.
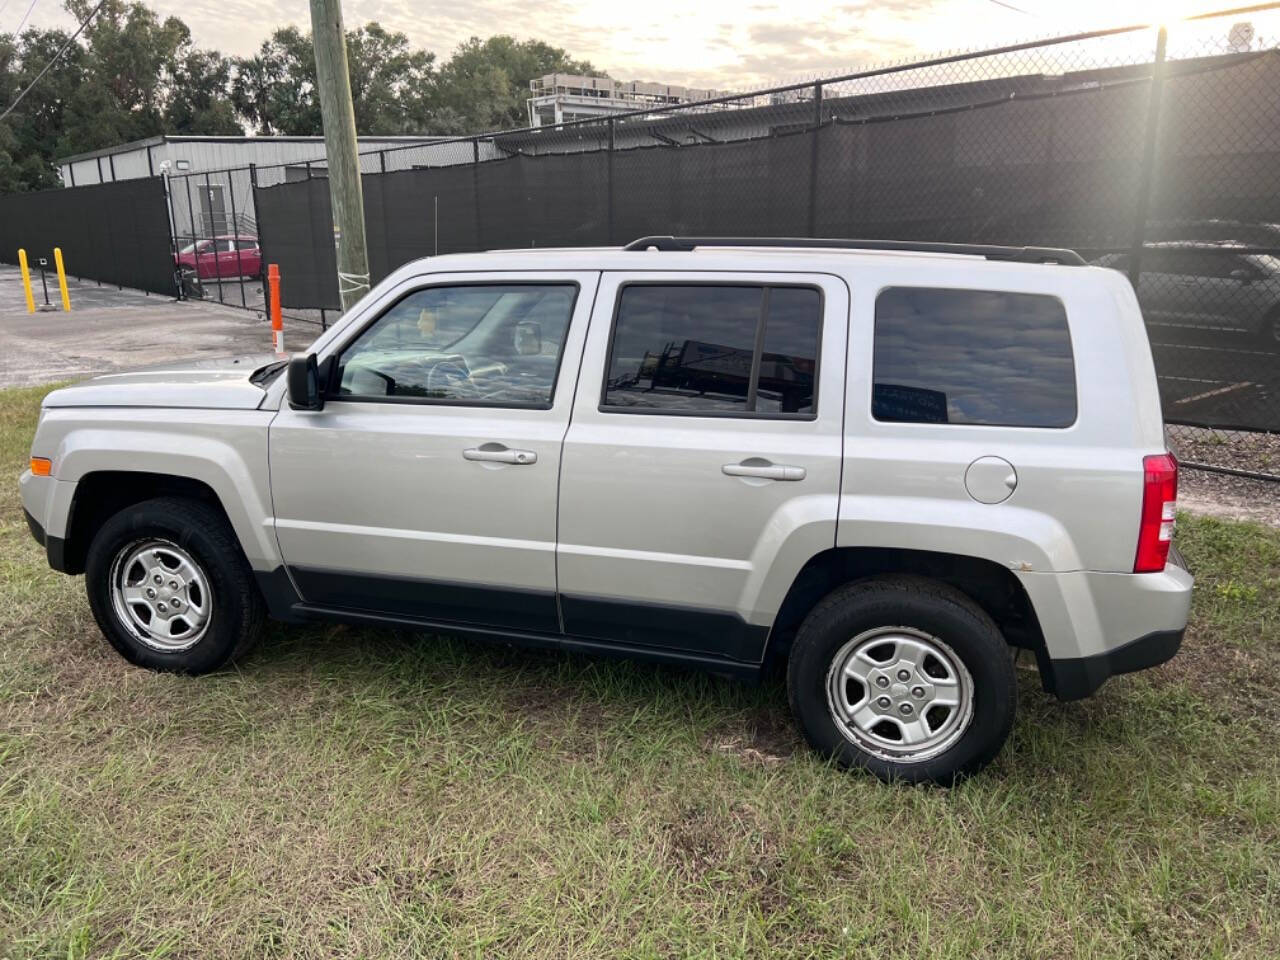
point(491, 344)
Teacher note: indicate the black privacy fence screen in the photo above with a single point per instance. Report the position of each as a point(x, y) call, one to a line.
point(111, 232)
point(1153, 152)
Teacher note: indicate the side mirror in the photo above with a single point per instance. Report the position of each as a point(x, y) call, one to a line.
point(528, 338)
point(304, 383)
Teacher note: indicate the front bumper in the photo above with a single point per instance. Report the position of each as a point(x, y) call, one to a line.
point(36, 492)
point(33, 525)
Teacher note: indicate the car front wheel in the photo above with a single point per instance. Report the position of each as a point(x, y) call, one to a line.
point(904, 677)
point(171, 589)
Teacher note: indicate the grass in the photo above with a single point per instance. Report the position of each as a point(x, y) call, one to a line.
point(350, 792)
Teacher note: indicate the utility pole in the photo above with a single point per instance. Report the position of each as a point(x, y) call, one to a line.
point(338, 116)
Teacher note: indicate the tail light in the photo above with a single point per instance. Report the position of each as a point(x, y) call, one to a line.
point(1159, 507)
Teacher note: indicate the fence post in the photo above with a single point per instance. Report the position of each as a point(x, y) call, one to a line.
point(173, 233)
point(813, 159)
point(253, 192)
point(382, 161)
point(609, 183)
point(191, 218)
point(235, 234)
point(217, 272)
point(475, 187)
point(1146, 174)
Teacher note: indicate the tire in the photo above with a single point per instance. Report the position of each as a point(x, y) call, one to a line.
point(215, 615)
point(876, 628)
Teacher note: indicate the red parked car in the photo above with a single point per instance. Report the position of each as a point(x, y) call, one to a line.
point(221, 257)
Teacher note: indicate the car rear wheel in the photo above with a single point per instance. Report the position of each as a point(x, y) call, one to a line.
point(904, 677)
point(171, 589)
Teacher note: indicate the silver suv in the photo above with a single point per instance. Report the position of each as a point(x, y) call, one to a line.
point(884, 466)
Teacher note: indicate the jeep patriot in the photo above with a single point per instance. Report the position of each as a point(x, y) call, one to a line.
point(882, 466)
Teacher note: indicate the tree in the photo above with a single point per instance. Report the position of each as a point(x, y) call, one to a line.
point(132, 75)
point(276, 89)
point(199, 100)
point(143, 77)
point(29, 136)
point(485, 84)
point(390, 83)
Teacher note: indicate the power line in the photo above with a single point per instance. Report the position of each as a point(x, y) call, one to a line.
point(1010, 6)
point(23, 22)
point(56, 57)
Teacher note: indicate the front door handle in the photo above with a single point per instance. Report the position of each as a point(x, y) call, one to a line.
point(759, 467)
point(499, 453)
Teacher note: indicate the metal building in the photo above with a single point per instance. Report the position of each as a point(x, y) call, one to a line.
point(561, 97)
point(181, 155)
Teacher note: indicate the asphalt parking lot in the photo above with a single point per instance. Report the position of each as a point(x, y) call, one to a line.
point(110, 329)
point(1216, 376)
point(247, 293)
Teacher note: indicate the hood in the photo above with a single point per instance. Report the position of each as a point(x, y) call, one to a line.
point(214, 384)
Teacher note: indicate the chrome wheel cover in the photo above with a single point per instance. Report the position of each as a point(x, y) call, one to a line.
point(899, 694)
point(161, 594)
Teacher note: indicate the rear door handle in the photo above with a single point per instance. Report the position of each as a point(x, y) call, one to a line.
point(756, 467)
point(499, 453)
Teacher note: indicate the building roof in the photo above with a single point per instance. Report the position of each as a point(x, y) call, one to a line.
point(148, 142)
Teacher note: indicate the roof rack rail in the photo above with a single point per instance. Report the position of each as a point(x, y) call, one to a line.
point(1056, 255)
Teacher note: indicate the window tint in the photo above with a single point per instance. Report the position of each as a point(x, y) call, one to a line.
point(487, 344)
point(701, 349)
point(972, 357)
point(790, 357)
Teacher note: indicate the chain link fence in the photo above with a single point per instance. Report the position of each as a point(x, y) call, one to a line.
point(1151, 152)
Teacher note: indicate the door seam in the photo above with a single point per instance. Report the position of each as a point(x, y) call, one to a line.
point(573, 399)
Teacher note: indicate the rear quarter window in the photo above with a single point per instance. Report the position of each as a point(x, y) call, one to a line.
point(983, 357)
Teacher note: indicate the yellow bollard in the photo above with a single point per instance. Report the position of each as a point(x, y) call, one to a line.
point(62, 279)
point(26, 280)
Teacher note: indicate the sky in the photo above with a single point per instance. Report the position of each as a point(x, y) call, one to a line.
point(723, 44)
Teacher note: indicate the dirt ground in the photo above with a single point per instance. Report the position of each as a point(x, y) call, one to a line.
point(1224, 495)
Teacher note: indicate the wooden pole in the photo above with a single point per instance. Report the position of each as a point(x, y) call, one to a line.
point(338, 116)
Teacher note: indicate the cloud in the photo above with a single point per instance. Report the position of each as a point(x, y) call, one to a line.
point(723, 44)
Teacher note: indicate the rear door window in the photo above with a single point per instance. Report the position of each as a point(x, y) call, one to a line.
point(972, 357)
point(714, 349)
